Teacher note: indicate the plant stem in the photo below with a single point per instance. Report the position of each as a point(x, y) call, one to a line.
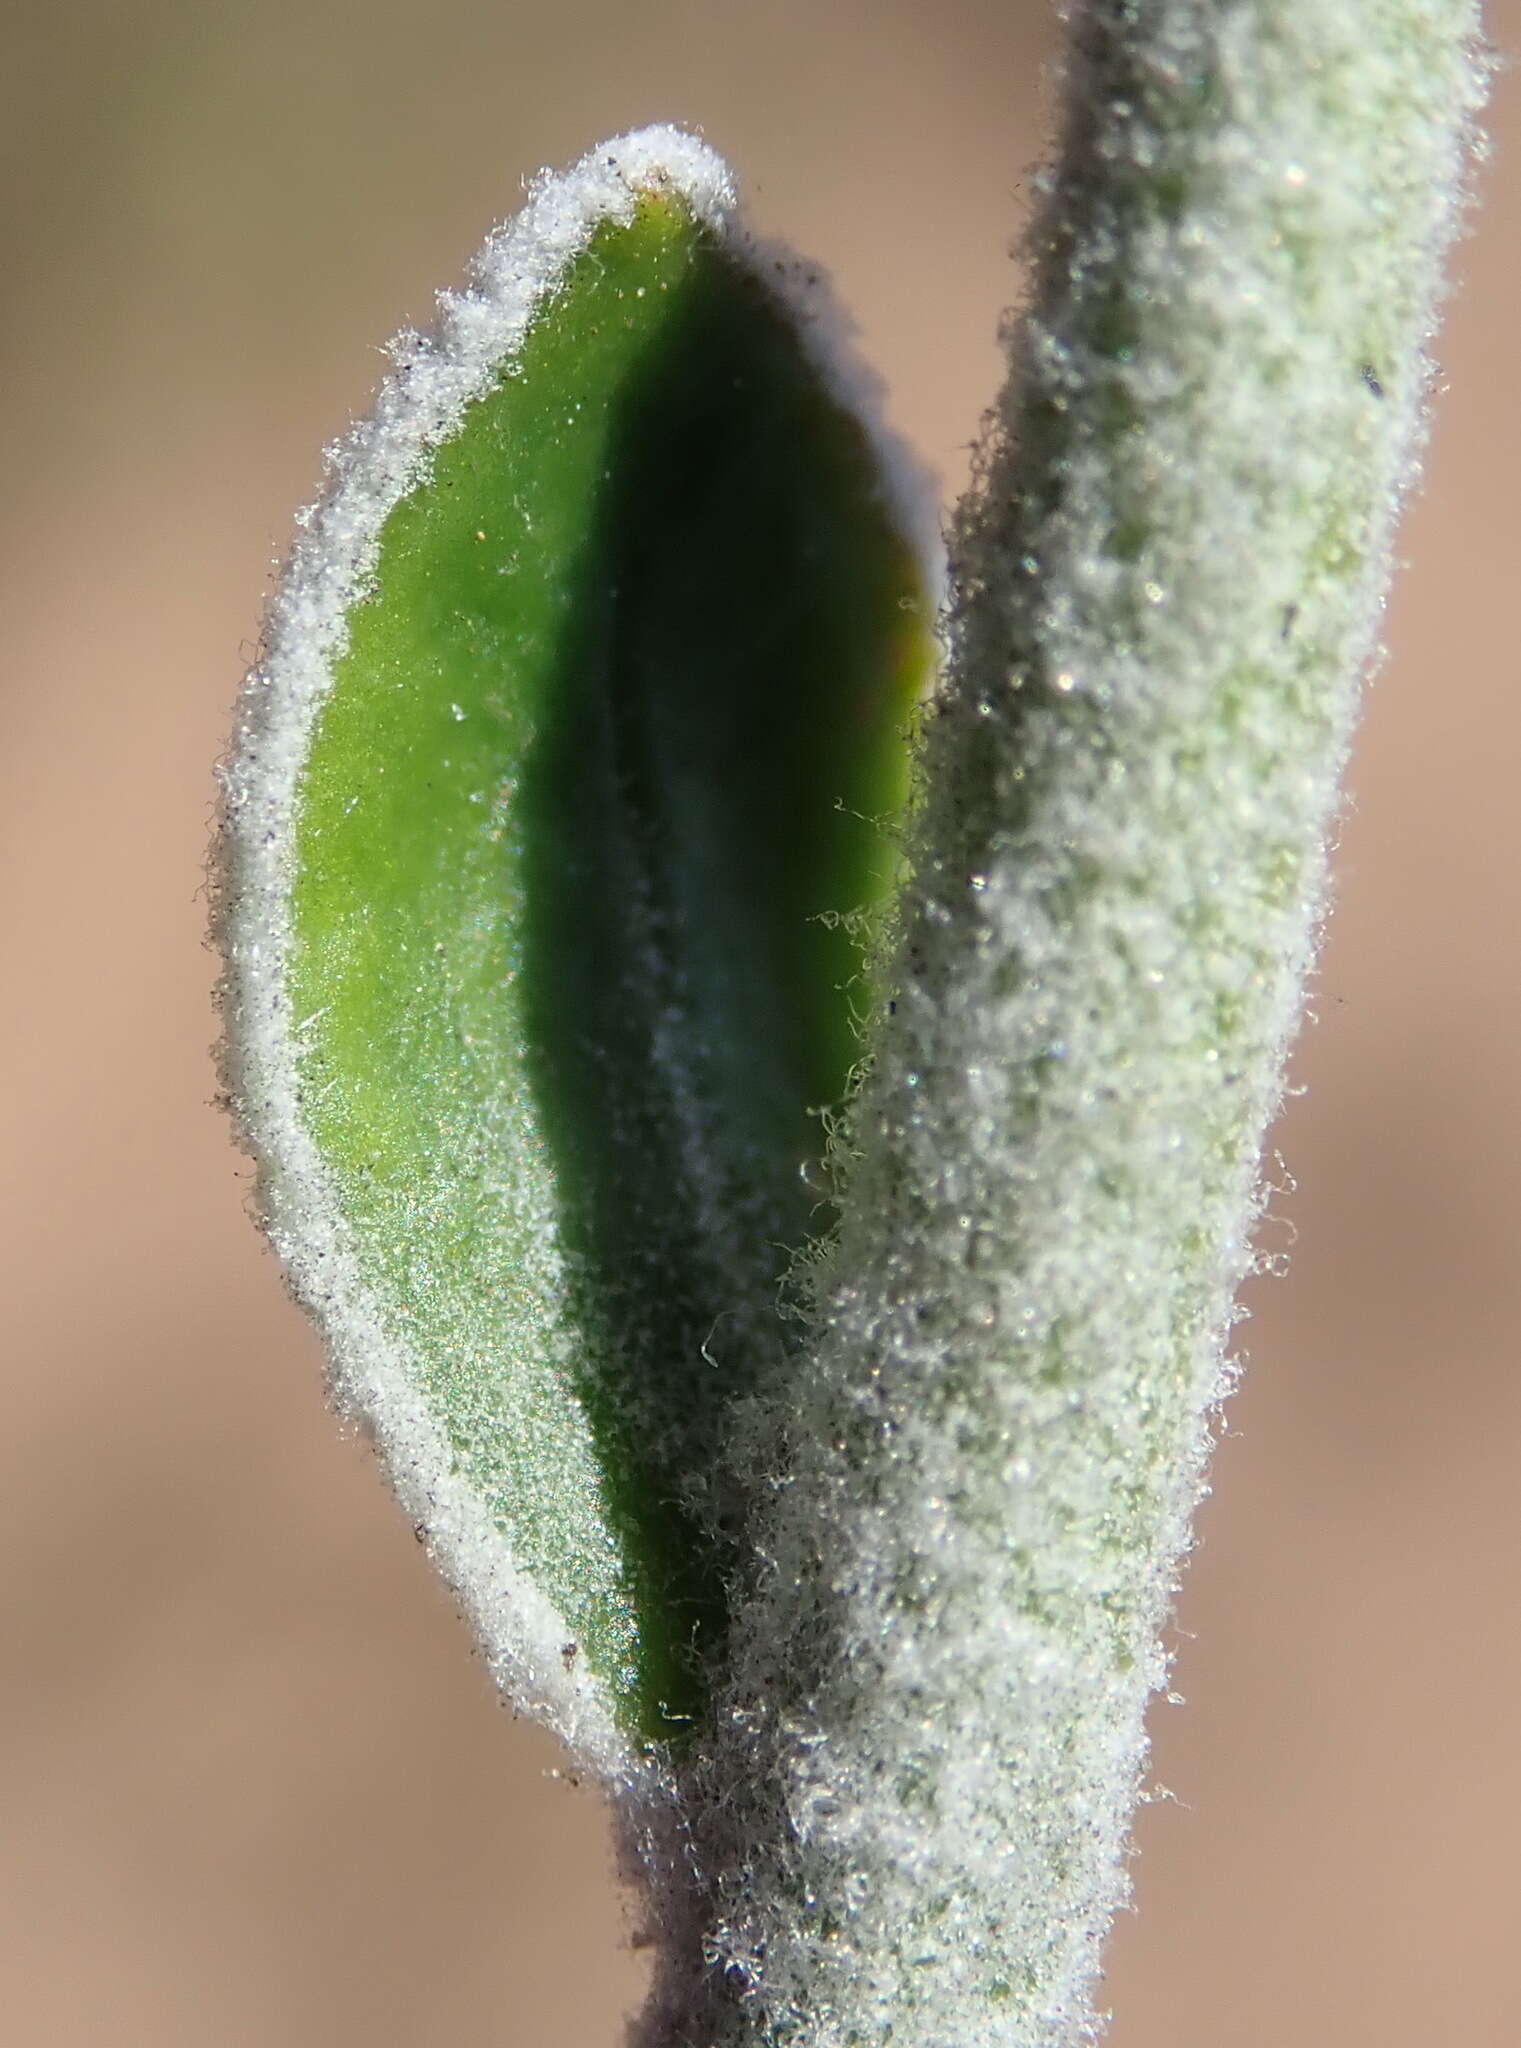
point(911, 1814)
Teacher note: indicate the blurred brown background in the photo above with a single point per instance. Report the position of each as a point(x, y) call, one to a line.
point(254, 1792)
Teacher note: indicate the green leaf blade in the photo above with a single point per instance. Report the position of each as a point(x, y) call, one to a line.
point(621, 688)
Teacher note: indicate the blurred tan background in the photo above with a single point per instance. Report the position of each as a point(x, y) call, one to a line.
point(254, 1792)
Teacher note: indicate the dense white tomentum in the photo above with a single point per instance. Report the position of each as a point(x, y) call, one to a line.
point(911, 1820)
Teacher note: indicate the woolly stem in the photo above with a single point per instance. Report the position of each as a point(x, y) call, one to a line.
point(910, 1819)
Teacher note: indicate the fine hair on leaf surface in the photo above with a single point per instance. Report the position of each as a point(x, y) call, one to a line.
point(548, 813)
point(1166, 582)
point(568, 841)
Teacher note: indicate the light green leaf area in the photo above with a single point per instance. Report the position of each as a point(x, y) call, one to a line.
point(603, 759)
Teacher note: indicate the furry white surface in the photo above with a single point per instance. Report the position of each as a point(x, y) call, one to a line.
point(1168, 581)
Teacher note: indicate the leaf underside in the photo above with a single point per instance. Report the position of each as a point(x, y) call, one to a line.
point(600, 766)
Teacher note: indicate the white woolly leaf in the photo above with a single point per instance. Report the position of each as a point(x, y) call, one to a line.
point(912, 1813)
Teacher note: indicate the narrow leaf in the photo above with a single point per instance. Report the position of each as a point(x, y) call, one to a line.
point(1166, 584)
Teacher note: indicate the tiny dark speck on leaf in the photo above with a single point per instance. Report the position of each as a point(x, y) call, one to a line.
point(1370, 378)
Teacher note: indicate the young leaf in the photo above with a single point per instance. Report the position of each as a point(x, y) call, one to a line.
point(577, 702)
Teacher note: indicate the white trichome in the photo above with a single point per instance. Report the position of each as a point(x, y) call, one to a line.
point(911, 1819)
